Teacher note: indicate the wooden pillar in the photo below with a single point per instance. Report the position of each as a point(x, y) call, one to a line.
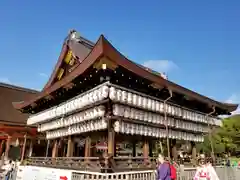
point(65, 146)
point(8, 145)
point(134, 148)
point(55, 148)
point(111, 142)
point(194, 153)
point(174, 149)
point(111, 138)
point(70, 147)
point(150, 149)
point(60, 148)
point(47, 149)
point(23, 147)
point(145, 150)
point(87, 147)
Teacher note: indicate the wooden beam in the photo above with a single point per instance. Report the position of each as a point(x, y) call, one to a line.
point(68, 86)
point(16, 136)
point(105, 63)
point(49, 97)
point(33, 105)
point(3, 137)
point(23, 128)
point(157, 86)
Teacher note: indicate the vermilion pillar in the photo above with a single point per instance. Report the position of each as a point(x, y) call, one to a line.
point(1, 146)
point(23, 148)
point(8, 145)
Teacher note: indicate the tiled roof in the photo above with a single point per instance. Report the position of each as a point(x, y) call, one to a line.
point(9, 94)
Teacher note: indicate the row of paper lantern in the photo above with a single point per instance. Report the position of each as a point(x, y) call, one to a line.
point(78, 102)
point(86, 115)
point(132, 113)
point(138, 129)
point(119, 95)
point(127, 97)
point(83, 127)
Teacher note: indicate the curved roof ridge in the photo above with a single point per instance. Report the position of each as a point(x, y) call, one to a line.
point(89, 60)
point(103, 46)
point(115, 55)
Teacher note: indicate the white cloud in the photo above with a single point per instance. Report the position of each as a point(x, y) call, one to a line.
point(43, 75)
point(235, 99)
point(162, 66)
point(5, 80)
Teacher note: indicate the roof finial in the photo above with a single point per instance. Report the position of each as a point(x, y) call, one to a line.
point(74, 35)
point(164, 75)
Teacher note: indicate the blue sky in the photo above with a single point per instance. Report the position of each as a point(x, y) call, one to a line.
point(195, 42)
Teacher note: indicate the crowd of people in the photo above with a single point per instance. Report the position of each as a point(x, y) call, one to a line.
point(167, 170)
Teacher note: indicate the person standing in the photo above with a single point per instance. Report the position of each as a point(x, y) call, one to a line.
point(163, 169)
point(205, 171)
point(173, 169)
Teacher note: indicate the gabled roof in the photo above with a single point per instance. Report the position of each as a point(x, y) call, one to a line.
point(8, 94)
point(80, 49)
point(104, 48)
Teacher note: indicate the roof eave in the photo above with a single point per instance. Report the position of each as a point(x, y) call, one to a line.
point(120, 59)
point(104, 47)
point(230, 107)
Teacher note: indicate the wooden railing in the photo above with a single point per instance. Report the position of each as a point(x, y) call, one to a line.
point(133, 163)
point(96, 164)
point(75, 163)
point(224, 173)
point(133, 175)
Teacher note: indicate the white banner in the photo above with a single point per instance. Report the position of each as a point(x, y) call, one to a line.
point(43, 173)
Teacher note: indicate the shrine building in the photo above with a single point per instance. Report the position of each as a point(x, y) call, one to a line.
point(13, 124)
point(97, 100)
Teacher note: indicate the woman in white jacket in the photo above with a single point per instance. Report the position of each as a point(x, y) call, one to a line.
point(205, 171)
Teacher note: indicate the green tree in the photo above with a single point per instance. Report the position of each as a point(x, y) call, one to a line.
point(225, 138)
point(230, 133)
